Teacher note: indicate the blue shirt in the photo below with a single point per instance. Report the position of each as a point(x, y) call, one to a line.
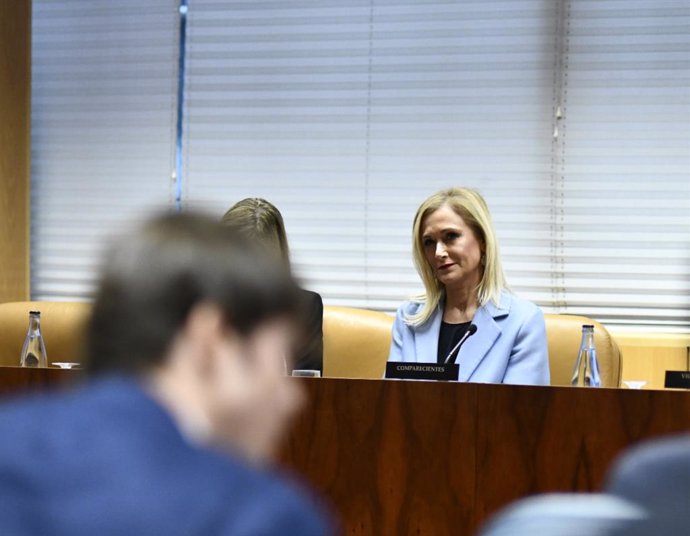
point(108, 460)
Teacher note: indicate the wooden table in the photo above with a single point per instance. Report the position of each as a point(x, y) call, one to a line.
point(399, 458)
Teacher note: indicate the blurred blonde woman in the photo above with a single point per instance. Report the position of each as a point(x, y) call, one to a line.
point(259, 220)
point(456, 255)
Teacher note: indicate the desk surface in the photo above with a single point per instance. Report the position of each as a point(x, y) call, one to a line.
point(400, 458)
point(423, 458)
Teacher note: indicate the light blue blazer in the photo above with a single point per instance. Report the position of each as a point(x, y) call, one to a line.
point(508, 347)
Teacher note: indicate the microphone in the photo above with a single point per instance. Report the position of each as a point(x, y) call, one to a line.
point(471, 330)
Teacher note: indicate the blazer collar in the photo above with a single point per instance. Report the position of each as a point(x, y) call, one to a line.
point(426, 338)
point(477, 347)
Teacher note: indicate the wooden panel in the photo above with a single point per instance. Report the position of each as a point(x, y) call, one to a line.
point(651, 363)
point(647, 356)
point(15, 380)
point(534, 440)
point(408, 458)
point(394, 457)
point(15, 76)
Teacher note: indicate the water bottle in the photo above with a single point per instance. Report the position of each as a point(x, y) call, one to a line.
point(586, 373)
point(34, 349)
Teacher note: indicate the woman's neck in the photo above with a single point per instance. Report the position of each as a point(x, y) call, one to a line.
point(461, 304)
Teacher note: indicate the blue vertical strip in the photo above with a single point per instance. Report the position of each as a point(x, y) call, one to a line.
point(180, 105)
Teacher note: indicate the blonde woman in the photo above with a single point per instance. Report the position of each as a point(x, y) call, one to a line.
point(456, 255)
point(261, 221)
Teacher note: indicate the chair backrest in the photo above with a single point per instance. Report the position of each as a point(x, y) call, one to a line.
point(62, 327)
point(356, 342)
point(564, 333)
point(566, 514)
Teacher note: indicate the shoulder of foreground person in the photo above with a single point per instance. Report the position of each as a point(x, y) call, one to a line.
point(275, 508)
point(142, 474)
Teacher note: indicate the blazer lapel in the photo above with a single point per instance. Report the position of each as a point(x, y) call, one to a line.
point(426, 339)
point(478, 345)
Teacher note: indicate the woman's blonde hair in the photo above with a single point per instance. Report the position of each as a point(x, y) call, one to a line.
point(471, 207)
point(258, 219)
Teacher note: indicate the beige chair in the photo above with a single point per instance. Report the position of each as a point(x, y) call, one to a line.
point(357, 341)
point(62, 325)
point(564, 333)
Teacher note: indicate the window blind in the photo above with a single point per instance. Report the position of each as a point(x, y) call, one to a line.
point(461, 94)
point(624, 194)
point(104, 81)
point(348, 116)
point(572, 118)
point(276, 107)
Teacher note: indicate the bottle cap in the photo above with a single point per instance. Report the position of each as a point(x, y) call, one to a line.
point(590, 326)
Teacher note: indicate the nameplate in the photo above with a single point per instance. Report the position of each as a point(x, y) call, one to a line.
point(398, 370)
point(677, 379)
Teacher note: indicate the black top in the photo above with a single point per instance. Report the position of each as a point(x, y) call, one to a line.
point(448, 336)
point(309, 350)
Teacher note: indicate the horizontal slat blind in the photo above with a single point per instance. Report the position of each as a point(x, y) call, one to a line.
point(277, 107)
point(347, 116)
point(461, 94)
point(625, 204)
point(103, 111)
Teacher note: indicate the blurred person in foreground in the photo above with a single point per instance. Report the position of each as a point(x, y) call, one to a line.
point(456, 254)
point(185, 405)
point(655, 475)
point(262, 223)
point(564, 514)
